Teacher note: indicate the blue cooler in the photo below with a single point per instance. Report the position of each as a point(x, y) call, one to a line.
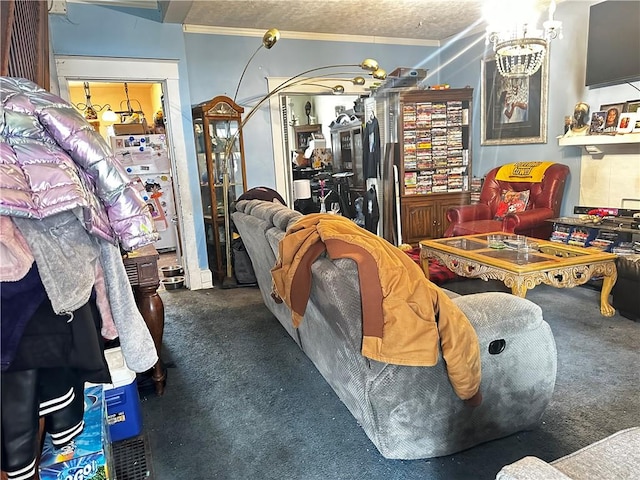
point(124, 414)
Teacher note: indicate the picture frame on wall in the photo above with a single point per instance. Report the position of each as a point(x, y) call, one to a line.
point(303, 134)
point(632, 106)
point(513, 110)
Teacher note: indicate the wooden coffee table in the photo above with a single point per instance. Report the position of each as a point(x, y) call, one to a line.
point(555, 264)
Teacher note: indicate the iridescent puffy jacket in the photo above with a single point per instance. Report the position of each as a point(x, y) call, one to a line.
point(52, 160)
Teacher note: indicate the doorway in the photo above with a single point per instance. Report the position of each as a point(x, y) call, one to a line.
point(72, 68)
point(282, 130)
point(130, 117)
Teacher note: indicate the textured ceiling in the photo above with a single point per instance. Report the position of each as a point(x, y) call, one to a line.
point(412, 19)
point(417, 20)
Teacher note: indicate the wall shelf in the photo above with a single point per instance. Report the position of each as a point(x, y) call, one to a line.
point(598, 145)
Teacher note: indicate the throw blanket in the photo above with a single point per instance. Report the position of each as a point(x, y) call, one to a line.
point(406, 319)
point(532, 172)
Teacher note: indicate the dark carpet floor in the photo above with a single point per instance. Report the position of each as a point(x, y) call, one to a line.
point(243, 402)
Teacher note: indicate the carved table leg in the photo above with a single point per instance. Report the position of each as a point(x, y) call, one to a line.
point(152, 309)
point(519, 290)
point(607, 284)
point(424, 263)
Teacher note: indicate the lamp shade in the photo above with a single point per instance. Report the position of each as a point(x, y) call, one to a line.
point(369, 64)
point(302, 189)
point(270, 38)
point(109, 116)
point(379, 74)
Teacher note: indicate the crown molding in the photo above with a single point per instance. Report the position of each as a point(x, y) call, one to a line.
point(147, 4)
point(322, 37)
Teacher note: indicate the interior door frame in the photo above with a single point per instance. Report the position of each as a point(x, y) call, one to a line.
point(165, 72)
point(281, 160)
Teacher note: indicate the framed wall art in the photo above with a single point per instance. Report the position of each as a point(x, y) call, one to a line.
point(632, 106)
point(513, 110)
point(303, 134)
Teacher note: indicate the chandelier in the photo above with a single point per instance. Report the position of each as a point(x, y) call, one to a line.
point(520, 47)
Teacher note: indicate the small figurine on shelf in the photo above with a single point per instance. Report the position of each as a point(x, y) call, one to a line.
point(579, 126)
point(158, 122)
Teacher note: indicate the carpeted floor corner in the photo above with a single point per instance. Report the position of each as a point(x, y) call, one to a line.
point(243, 402)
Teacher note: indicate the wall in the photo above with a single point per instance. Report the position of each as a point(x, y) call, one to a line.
point(461, 61)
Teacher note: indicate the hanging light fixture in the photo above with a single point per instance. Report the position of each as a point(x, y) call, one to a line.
point(128, 114)
point(90, 111)
point(109, 115)
point(520, 47)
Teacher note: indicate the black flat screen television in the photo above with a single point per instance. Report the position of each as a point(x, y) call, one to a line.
point(613, 45)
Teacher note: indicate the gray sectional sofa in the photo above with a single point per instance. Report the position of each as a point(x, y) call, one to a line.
point(409, 412)
point(616, 457)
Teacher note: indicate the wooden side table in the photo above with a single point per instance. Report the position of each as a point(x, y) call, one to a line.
point(142, 270)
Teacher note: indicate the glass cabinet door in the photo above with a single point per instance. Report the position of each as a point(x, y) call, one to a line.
point(203, 171)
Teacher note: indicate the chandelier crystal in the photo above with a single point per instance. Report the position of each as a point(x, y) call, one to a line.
point(520, 47)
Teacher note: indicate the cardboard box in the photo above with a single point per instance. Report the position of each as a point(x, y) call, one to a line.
point(129, 129)
point(402, 72)
point(88, 456)
point(124, 413)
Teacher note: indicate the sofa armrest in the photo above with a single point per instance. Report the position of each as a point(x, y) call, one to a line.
point(525, 220)
point(530, 468)
point(467, 213)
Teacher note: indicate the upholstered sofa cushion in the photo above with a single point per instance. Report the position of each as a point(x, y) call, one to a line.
point(616, 457)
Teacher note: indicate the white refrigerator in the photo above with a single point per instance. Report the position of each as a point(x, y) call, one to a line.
point(147, 157)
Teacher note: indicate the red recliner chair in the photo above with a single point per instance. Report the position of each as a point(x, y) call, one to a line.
point(545, 198)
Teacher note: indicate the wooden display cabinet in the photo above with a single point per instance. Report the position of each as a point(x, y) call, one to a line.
point(435, 166)
point(346, 143)
point(215, 122)
point(426, 218)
